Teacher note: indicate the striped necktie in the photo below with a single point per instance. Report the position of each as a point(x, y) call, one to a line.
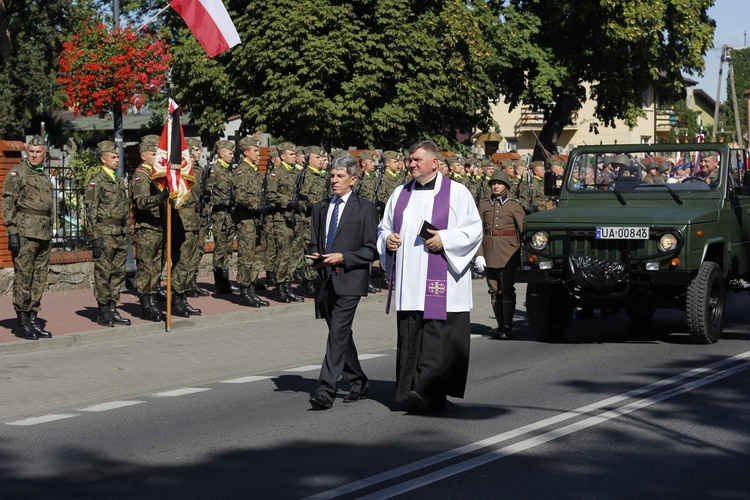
point(333, 226)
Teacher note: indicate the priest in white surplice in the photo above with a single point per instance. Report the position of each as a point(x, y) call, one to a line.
point(431, 282)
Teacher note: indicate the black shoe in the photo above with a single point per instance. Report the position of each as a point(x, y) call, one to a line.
point(195, 291)
point(105, 315)
point(178, 308)
point(292, 296)
point(311, 289)
point(372, 288)
point(116, 318)
point(24, 328)
point(40, 332)
point(281, 294)
point(254, 296)
point(161, 294)
point(320, 402)
point(503, 333)
point(355, 396)
point(299, 278)
point(419, 401)
point(149, 312)
point(192, 311)
point(271, 279)
point(246, 299)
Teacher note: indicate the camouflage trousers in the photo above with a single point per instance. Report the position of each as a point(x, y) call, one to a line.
point(149, 252)
point(283, 234)
point(249, 257)
point(267, 251)
point(198, 249)
point(222, 225)
point(301, 243)
point(109, 269)
point(183, 248)
point(31, 266)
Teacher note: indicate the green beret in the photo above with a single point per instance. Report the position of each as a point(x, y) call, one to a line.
point(36, 141)
point(552, 161)
point(538, 163)
point(286, 146)
point(499, 176)
point(192, 142)
point(225, 145)
point(366, 155)
point(393, 155)
point(107, 147)
point(316, 150)
point(246, 142)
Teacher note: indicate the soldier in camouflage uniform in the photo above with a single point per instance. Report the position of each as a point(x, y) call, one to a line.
point(186, 223)
point(300, 228)
point(219, 184)
point(247, 184)
point(313, 191)
point(200, 243)
point(509, 167)
point(27, 215)
point(269, 252)
point(148, 210)
point(367, 175)
point(108, 225)
point(280, 190)
point(391, 178)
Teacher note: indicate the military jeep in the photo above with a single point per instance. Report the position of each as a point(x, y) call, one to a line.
point(625, 235)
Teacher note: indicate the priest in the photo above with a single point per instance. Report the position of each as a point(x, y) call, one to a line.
point(429, 233)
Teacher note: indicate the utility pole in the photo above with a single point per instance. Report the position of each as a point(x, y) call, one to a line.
point(726, 56)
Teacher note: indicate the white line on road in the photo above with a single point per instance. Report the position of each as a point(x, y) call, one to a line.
point(112, 405)
point(363, 357)
point(506, 436)
point(306, 368)
point(244, 380)
point(42, 420)
point(180, 392)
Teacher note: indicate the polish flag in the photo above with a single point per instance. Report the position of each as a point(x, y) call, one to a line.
point(173, 166)
point(210, 23)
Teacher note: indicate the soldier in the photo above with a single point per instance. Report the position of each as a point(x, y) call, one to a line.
point(186, 223)
point(268, 250)
point(499, 253)
point(247, 184)
point(219, 184)
point(509, 167)
point(391, 177)
point(108, 225)
point(200, 243)
point(280, 190)
point(148, 211)
point(301, 231)
point(27, 214)
point(313, 191)
point(367, 175)
point(652, 174)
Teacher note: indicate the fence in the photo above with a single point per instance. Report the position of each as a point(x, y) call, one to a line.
point(68, 215)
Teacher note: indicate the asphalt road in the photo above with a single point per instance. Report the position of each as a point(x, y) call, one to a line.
point(617, 410)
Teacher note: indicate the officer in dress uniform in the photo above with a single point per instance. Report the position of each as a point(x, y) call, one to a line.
point(108, 225)
point(27, 215)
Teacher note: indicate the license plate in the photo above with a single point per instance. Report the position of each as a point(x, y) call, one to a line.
point(621, 233)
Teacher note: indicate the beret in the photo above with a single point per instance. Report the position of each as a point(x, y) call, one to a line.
point(107, 147)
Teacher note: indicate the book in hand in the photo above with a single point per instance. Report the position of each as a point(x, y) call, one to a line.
point(423, 230)
point(311, 260)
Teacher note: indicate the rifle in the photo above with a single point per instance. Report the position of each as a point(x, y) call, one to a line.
point(381, 173)
point(297, 188)
point(264, 195)
point(202, 197)
point(327, 192)
point(480, 189)
point(546, 153)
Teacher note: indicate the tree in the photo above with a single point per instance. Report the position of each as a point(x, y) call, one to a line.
point(366, 73)
point(617, 47)
point(31, 37)
point(741, 67)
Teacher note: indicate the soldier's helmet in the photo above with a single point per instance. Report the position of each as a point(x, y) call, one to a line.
point(664, 167)
point(500, 176)
point(621, 159)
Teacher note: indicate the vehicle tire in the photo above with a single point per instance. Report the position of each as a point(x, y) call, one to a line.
point(549, 309)
point(640, 310)
point(706, 304)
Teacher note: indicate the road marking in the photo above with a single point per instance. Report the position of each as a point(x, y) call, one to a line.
point(363, 357)
point(180, 392)
point(306, 368)
point(244, 380)
point(703, 372)
point(112, 405)
point(475, 336)
point(42, 420)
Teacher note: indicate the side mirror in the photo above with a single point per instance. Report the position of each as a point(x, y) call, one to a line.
point(550, 184)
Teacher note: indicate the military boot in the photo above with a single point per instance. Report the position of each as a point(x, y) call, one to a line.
point(192, 311)
point(246, 299)
point(271, 279)
point(148, 309)
point(40, 332)
point(299, 278)
point(24, 328)
point(294, 297)
point(254, 295)
point(311, 288)
point(225, 277)
point(222, 282)
point(116, 318)
point(282, 294)
point(195, 290)
point(161, 294)
point(178, 307)
point(105, 315)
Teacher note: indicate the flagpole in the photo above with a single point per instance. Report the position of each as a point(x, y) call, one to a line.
point(169, 263)
point(143, 26)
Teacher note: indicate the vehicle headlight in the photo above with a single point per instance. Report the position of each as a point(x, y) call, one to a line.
point(667, 242)
point(539, 240)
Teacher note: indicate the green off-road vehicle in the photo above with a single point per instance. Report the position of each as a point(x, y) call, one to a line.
point(633, 231)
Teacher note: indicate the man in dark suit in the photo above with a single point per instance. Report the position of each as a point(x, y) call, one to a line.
point(343, 243)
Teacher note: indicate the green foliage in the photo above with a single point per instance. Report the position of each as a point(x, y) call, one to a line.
point(84, 163)
point(617, 47)
point(365, 73)
point(741, 67)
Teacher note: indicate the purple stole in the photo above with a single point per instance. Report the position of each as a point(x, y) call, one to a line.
point(436, 287)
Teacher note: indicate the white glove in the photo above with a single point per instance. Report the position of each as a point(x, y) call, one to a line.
point(480, 263)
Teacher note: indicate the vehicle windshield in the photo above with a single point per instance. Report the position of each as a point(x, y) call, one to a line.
point(686, 170)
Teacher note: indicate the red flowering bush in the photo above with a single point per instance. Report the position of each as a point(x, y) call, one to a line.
point(102, 69)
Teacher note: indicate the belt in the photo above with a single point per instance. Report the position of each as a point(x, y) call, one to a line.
point(499, 232)
point(219, 208)
point(191, 210)
point(116, 222)
point(28, 211)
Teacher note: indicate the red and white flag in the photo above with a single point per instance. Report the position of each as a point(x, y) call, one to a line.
point(210, 23)
point(173, 167)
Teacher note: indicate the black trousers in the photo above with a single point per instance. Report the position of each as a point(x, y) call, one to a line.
point(341, 358)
